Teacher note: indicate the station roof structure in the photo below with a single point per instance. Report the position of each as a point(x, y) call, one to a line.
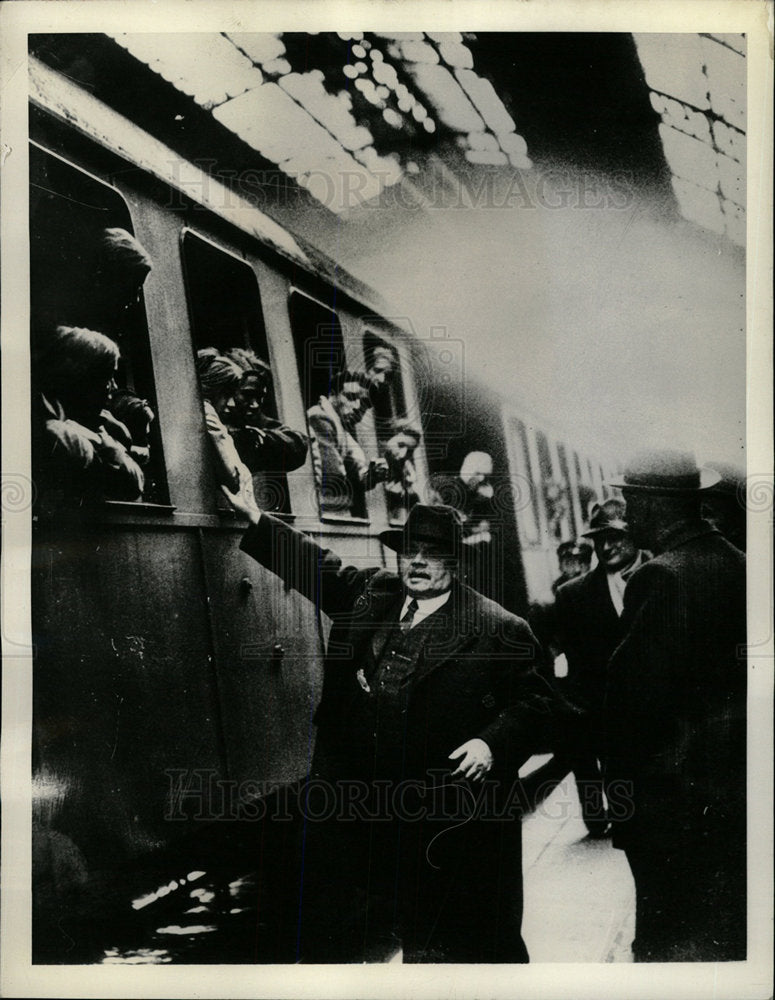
point(348, 116)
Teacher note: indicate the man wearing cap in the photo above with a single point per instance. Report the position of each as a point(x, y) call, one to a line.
point(676, 720)
point(575, 558)
point(430, 704)
point(587, 618)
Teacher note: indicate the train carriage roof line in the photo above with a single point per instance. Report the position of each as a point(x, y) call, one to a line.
point(54, 93)
point(59, 96)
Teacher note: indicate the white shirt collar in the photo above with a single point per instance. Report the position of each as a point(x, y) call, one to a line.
point(425, 606)
point(617, 583)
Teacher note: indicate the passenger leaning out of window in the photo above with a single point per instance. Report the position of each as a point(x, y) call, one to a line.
point(240, 432)
point(342, 471)
point(401, 484)
point(122, 266)
point(137, 416)
point(80, 450)
point(264, 443)
point(219, 379)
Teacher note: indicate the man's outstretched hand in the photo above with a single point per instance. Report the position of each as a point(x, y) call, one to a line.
point(243, 499)
point(476, 759)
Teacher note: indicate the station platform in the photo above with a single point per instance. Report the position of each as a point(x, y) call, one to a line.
point(579, 893)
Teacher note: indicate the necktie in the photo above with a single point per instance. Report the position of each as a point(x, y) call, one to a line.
point(406, 622)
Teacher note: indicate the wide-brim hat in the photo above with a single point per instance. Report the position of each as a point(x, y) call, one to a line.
point(674, 473)
point(437, 525)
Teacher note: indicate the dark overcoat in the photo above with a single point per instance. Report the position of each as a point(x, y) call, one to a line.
point(588, 630)
point(676, 761)
point(474, 677)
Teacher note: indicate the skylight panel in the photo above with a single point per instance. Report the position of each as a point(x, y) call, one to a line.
point(204, 66)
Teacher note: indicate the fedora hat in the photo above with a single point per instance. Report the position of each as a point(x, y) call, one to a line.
point(437, 525)
point(675, 473)
point(607, 516)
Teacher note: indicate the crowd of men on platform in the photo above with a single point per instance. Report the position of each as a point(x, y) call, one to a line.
point(433, 690)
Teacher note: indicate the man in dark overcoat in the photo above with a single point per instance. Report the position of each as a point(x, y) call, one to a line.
point(676, 720)
point(587, 619)
point(430, 705)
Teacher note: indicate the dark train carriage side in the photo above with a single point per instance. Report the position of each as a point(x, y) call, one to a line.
point(168, 665)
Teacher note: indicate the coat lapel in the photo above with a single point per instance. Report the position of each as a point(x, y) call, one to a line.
point(445, 632)
point(448, 631)
point(383, 625)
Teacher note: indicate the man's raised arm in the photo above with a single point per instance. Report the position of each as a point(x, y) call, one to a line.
point(315, 572)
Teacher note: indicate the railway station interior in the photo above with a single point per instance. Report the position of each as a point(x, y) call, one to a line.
point(542, 233)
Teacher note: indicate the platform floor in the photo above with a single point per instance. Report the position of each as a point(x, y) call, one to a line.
point(579, 894)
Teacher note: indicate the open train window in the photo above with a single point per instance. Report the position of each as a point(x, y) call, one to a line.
point(383, 371)
point(232, 361)
point(335, 400)
point(95, 436)
point(397, 436)
point(319, 343)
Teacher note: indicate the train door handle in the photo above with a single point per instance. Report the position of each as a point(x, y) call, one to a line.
point(278, 652)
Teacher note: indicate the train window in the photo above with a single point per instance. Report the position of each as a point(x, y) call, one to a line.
point(238, 398)
point(524, 493)
point(604, 487)
point(566, 483)
point(397, 436)
point(319, 343)
point(384, 375)
point(335, 400)
point(95, 436)
point(587, 495)
point(554, 490)
point(524, 489)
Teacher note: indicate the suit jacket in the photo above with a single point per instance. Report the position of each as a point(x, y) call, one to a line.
point(270, 446)
point(69, 463)
point(475, 678)
point(676, 696)
point(338, 460)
